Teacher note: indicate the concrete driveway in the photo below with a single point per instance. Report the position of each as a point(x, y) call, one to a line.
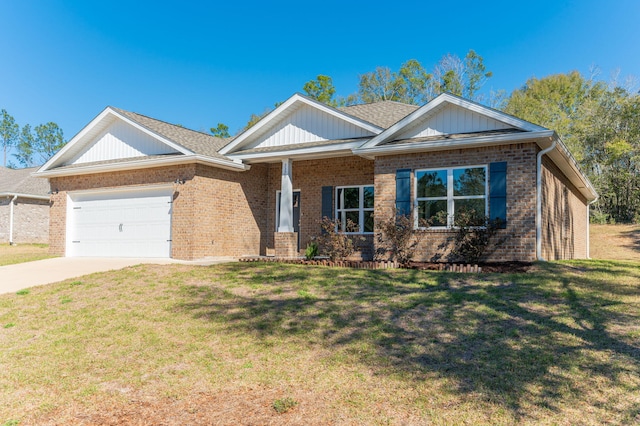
point(47, 271)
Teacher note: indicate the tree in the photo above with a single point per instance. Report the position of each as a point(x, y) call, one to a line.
point(37, 147)
point(9, 130)
point(600, 123)
point(412, 84)
point(321, 89)
point(221, 131)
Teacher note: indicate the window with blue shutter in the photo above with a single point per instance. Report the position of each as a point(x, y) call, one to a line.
point(498, 193)
point(403, 191)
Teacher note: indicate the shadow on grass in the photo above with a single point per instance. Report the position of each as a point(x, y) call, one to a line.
point(633, 238)
point(509, 338)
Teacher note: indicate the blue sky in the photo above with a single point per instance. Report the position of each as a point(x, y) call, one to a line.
point(200, 63)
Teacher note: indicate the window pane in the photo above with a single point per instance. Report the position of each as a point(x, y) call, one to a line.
point(469, 181)
point(471, 212)
point(432, 183)
point(434, 212)
point(354, 218)
point(351, 198)
point(368, 221)
point(368, 197)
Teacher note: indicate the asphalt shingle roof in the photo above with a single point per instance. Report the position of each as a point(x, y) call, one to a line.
point(20, 181)
point(197, 142)
point(383, 114)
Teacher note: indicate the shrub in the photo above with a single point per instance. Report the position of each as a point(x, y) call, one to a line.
point(336, 245)
point(397, 239)
point(311, 251)
point(473, 235)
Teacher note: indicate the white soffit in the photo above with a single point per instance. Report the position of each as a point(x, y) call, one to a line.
point(301, 120)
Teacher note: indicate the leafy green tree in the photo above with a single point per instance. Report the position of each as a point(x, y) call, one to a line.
point(37, 146)
point(322, 90)
point(220, 131)
point(9, 131)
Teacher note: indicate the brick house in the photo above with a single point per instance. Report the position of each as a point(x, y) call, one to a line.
point(130, 185)
point(24, 207)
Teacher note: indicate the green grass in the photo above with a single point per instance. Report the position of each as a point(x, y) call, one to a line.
point(554, 346)
point(21, 253)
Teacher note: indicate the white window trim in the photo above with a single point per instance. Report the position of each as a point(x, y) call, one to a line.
point(361, 209)
point(450, 198)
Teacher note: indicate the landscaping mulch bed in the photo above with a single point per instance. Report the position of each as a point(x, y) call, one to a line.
point(490, 267)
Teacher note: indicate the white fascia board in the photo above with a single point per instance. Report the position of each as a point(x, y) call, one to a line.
point(311, 153)
point(570, 167)
point(479, 141)
point(19, 195)
point(241, 140)
point(453, 100)
point(144, 164)
point(79, 137)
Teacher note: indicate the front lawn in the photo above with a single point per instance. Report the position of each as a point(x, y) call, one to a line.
point(21, 253)
point(291, 344)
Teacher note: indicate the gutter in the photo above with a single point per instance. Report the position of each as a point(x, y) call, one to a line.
point(11, 203)
point(539, 200)
point(143, 163)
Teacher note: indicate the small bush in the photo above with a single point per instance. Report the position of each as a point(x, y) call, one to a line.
point(334, 244)
point(311, 251)
point(397, 239)
point(473, 235)
point(283, 405)
point(22, 292)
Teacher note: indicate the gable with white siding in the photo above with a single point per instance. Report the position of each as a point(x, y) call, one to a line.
point(452, 119)
point(118, 141)
point(307, 124)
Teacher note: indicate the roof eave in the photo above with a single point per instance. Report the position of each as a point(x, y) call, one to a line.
point(443, 145)
point(143, 164)
point(23, 195)
point(311, 153)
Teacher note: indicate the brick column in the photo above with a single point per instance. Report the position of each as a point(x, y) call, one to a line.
point(286, 244)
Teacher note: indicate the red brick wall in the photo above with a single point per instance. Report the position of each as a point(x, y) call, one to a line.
point(309, 176)
point(519, 236)
point(216, 212)
point(564, 216)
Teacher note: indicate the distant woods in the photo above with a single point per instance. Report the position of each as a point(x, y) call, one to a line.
point(32, 147)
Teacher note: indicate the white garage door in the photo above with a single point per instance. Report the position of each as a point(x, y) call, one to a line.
point(120, 224)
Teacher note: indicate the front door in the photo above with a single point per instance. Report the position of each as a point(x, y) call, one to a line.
point(296, 213)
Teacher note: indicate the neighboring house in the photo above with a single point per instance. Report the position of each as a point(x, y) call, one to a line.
point(24, 207)
point(130, 185)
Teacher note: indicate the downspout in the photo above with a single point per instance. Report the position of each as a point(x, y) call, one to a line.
point(13, 200)
point(588, 231)
point(539, 201)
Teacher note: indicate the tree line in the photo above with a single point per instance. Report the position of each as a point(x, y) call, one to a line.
point(33, 147)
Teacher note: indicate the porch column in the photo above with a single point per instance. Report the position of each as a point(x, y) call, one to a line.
point(286, 198)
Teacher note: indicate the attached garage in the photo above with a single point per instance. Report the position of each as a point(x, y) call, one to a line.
point(120, 223)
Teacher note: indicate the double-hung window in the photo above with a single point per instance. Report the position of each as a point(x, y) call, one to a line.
point(442, 195)
point(354, 205)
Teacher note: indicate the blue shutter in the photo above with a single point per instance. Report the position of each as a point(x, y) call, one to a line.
point(403, 191)
point(327, 202)
point(498, 192)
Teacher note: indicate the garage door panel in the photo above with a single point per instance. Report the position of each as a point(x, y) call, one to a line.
point(131, 224)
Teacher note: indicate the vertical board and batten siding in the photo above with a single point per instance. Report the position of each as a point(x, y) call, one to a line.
point(452, 120)
point(307, 124)
point(121, 140)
